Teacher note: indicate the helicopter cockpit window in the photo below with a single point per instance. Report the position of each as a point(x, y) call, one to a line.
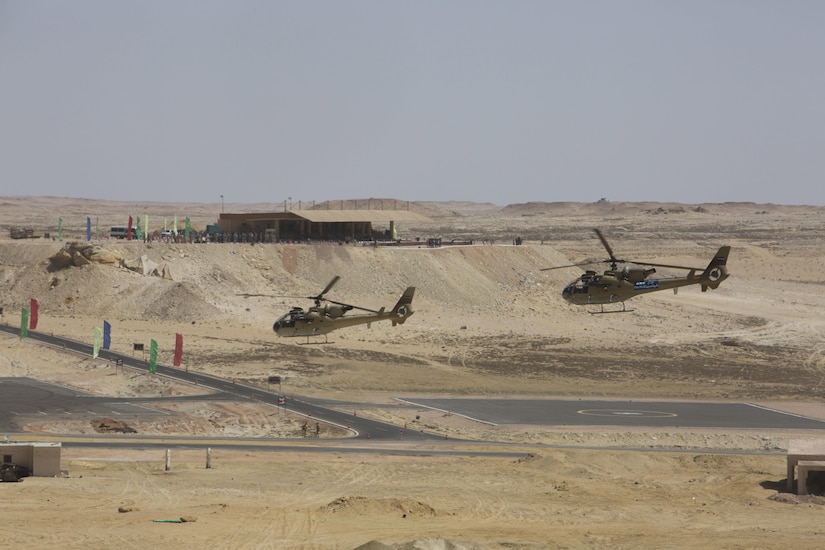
point(286, 321)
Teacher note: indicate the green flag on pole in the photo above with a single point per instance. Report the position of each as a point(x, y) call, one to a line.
point(139, 230)
point(153, 357)
point(24, 323)
point(98, 338)
point(186, 231)
point(60, 229)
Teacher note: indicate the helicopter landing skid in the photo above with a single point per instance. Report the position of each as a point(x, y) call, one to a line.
point(308, 343)
point(623, 310)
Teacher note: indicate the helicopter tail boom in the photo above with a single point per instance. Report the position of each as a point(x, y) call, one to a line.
point(403, 308)
point(716, 271)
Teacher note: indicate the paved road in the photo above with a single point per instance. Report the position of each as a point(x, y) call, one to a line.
point(49, 400)
point(19, 397)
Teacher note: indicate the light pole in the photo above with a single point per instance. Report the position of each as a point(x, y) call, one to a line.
point(221, 204)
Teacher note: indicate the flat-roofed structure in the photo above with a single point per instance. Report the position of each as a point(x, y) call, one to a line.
point(324, 225)
point(41, 458)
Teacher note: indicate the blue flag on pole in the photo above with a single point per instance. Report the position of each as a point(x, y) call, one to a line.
point(107, 334)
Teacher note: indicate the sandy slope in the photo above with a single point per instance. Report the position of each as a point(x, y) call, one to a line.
point(487, 322)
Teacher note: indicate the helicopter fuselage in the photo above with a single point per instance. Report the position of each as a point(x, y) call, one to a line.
point(619, 285)
point(310, 323)
point(614, 286)
point(324, 319)
point(610, 287)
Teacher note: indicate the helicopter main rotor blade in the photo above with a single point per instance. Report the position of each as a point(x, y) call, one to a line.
point(613, 260)
point(327, 289)
point(249, 295)
point(365, 309)
point(351, 306)
point(331, 284)
point(606, 245)
point(668, 265)
point(570, 265)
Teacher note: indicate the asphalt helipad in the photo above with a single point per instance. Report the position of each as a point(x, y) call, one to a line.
point(627, 413)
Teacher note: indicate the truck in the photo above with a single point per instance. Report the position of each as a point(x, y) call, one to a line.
point(23, 233)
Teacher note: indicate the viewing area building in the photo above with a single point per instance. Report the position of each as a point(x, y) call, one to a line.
point(318, 225)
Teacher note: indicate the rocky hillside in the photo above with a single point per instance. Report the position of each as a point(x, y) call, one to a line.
point(209, 281)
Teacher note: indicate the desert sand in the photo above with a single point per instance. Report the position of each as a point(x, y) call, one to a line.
point(487, 322)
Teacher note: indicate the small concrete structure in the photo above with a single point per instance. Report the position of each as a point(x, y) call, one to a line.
point(807, 455)
point(803, 467)
point(41, 458)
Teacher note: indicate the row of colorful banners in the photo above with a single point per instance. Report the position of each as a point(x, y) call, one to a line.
point(140, 230)
point(28, 318)
point(102, 337)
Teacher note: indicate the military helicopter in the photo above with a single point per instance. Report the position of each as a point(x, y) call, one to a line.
point(617, 285)
point(323, 318)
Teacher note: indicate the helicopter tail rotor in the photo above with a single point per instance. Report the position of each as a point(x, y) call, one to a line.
point(717, 270)
point(403, 308)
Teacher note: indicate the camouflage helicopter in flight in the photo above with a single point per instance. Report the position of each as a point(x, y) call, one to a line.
point(328, 315)
point(617, 285)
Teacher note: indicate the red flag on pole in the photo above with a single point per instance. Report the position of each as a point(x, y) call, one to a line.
point(33, 314)
point(129, 230)
point(178, 349)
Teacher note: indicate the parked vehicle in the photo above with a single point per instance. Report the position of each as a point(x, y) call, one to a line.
point(121, 231)
point(13, 472)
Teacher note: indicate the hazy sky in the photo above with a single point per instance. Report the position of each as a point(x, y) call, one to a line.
point(506, 101)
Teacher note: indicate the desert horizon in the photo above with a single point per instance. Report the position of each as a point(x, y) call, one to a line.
point(488, 322)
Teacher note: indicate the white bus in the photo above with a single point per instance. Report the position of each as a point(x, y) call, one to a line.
point(120, 232)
